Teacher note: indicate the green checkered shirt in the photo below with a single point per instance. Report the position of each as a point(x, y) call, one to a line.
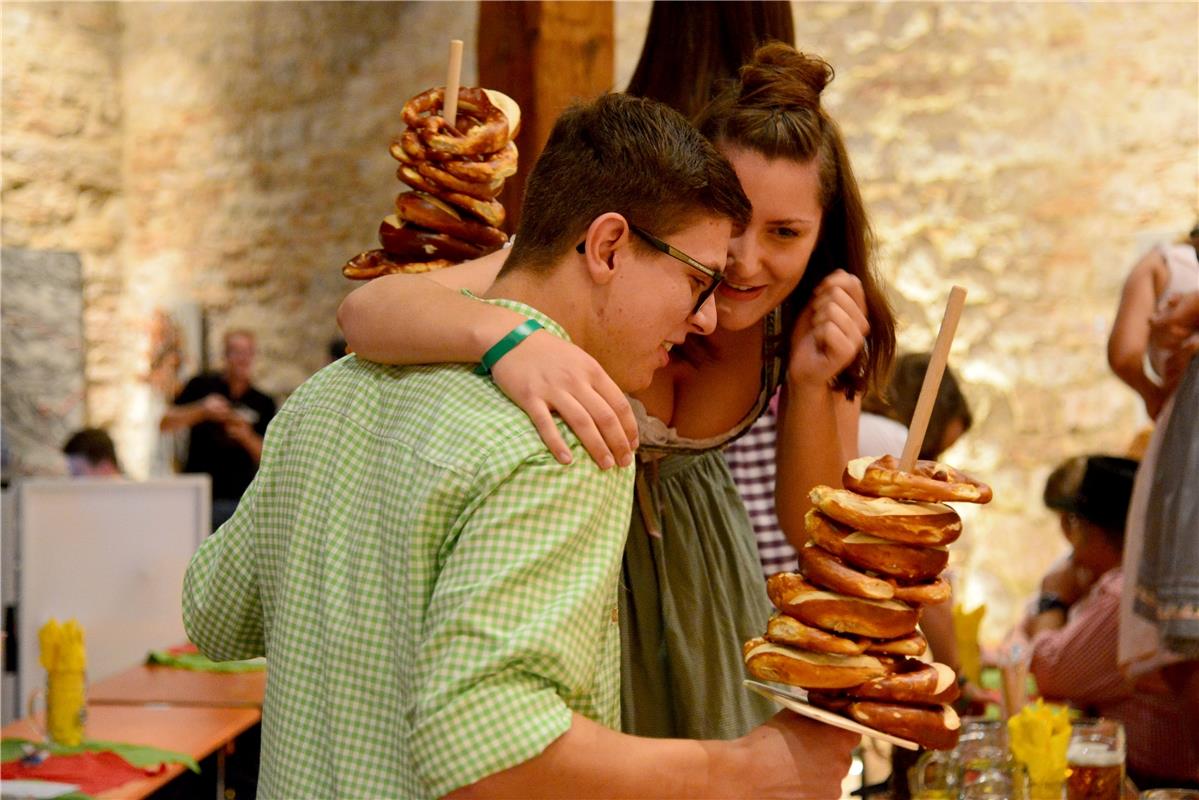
point(433, 592)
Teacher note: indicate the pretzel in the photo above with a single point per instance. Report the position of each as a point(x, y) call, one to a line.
point(405, 241)
point(926, 593)
point(933, 728)
point(826, 570)
point(840, 613)
point(914, 644)
point(913, 681)
point(498, 165)
point(929, 481)
point(490, 211)
point(772, 662)
point(452, 183)
point(902, 561)
point(374, 263)
point(428, 212)
point(897, 520)
point(490, 135)
point(789, 631)
point(407, 149)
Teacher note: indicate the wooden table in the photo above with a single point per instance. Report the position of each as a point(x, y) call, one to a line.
point(195, 730)
point(144, 685)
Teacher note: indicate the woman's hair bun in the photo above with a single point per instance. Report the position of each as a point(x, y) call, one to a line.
point(781, 77)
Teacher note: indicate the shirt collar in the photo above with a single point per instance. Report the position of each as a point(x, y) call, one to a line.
point(520, 308)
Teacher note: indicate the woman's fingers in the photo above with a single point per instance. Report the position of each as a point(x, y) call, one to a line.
point(600, 416)
point(583, 422)
point(625, 441)
point(547, 429)
point(831, 331)
point(546, 375)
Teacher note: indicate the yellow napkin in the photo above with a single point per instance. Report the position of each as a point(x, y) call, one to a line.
point(1039, 735)
point(62, 647)
point(965, 628)
point(64, 657)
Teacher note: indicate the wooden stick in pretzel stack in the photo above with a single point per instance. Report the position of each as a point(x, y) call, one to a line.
point(455, 153)
point(846, 624)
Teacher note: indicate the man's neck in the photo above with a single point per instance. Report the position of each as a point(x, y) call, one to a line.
point(555, 293)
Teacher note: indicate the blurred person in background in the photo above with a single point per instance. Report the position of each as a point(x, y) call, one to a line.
point(1156, 281)
point(1153, 341)
point(90, 452)
point(226, 418)
point(1073, 624)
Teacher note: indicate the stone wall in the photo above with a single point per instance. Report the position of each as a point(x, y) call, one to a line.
point(61, 191)
point(227, 158)
point(213, 161)
point(1029, 152)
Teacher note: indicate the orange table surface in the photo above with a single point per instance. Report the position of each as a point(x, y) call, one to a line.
point(194, 730)
point(144, 684)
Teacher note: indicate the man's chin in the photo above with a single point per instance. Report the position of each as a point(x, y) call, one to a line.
point(637, 382)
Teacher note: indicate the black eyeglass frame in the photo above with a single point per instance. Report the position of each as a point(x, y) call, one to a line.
point(716, 276)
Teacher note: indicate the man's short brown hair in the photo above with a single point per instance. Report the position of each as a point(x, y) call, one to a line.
point(628, 155)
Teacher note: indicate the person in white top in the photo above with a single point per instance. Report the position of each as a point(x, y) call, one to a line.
point(1165, 274)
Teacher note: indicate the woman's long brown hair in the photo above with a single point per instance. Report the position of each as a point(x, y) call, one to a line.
point(774, 109)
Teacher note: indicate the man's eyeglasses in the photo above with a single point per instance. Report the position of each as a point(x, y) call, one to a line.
point(714, 276)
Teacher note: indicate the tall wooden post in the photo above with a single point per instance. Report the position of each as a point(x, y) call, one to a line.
point(545, 54)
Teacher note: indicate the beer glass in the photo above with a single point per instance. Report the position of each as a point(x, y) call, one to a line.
point(984, 768)
point(1170, 794)
point(65, 699)
point(1095, 760)
point(981, 750)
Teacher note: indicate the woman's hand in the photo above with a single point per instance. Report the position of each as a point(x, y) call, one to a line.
point(545, 374)
point(830, 332)
point(1174, 332)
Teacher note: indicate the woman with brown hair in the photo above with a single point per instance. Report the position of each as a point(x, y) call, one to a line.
point(800, 307)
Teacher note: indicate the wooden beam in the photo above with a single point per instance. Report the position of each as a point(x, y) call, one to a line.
point(545, 54)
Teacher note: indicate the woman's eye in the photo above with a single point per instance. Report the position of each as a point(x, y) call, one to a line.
point(786, 233)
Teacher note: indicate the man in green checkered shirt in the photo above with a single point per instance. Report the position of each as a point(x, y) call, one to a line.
point(434, 592)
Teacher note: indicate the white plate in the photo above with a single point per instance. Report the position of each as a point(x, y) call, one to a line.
point(35, 790)
point(803, 708)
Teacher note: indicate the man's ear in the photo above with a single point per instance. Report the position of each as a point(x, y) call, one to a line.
point(605, 246)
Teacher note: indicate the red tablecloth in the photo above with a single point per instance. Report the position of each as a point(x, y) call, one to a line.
point(93, 773)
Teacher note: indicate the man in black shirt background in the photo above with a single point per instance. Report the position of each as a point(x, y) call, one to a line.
point(227, 418)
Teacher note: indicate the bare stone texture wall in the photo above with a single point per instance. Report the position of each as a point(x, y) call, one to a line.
point(61, 190)
point(1030, 152)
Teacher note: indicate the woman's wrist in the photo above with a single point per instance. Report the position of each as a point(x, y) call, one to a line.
point(490, 327)
point(505, 345)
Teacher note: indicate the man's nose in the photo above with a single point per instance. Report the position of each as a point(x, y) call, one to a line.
point(704, 320)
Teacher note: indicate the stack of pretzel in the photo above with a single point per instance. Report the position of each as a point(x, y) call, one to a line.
point(846, 626)
point(456, 171)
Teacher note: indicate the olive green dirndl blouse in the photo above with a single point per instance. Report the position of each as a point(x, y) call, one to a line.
point(692, 590)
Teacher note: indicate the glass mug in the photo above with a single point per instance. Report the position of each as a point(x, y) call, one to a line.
point(1170, 794)
point(65, 698)
point(985, 768)
point(1095, 760)
point(980, 759)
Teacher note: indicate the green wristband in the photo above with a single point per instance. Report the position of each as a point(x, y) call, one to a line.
point(501, 348)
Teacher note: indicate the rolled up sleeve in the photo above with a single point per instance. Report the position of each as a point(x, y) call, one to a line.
point(520, 630)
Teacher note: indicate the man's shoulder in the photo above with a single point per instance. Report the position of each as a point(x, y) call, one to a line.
point(452, 412)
